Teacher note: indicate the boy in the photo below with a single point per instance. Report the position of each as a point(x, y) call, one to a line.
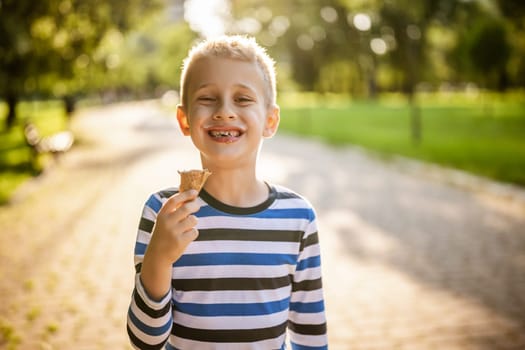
point(237, 265)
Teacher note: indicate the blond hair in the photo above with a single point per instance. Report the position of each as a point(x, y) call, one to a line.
point(235, 47)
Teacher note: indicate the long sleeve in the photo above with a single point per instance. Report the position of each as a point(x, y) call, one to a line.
point(307, 320)
point(149, 321)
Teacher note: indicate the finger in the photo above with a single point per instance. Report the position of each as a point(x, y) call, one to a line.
point(186, 224)
point(190, 235)
point(183, 211)
point(178, 199)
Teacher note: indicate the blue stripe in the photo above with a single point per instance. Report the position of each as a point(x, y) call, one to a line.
point(154, 203)
point(140, 248)
point(304, 347)
point(253, 309)
point(153, 331)
point(314, 261)
point(209, 259)
point(170, 347)
point(307, 308)
point(291, 213)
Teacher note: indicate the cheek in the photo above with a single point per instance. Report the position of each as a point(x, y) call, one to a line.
point(199, 113)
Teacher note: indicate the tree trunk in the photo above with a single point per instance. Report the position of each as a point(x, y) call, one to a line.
point(69, 105)
point(12, 101)
point(415, 119)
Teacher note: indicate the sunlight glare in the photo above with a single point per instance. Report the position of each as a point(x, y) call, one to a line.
point(208, 17)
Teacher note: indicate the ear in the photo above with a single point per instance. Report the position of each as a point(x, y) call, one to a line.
point(184, 124)
point(272, 121)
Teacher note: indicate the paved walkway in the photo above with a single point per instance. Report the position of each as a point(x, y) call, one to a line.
point(409, 262)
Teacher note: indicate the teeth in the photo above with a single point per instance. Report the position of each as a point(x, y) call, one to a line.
point(224, 133)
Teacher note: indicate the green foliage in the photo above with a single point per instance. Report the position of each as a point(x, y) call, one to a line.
point(43, 42)
point(58, 47)
point(487, 38)
point(16, 163)
point(427, 41)
point(479, 134)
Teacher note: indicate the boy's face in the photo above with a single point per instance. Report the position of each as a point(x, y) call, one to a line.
point(227, 114)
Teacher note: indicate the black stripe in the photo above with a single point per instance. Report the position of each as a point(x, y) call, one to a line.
point(312, 239)
point(216, 284)
point(147, 310)
point(215, 203)
point(249, 235)
point(228, 335)
point(167, 193)
point(141, 345)
point(307, 329)
point(307, 285)
point(138, 267)
point(146, 225)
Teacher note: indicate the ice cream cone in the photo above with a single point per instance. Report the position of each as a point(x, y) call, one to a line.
point(193, 179)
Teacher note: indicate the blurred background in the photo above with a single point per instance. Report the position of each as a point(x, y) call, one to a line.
point(413, 113)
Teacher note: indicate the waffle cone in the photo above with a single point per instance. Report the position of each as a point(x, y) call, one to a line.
point(193, 179)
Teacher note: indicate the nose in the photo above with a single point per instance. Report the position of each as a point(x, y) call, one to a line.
point(224, 112)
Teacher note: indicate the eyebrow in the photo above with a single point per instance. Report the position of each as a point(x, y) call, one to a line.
point(239, 85)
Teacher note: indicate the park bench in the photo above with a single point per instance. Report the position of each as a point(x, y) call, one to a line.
point(55, 144)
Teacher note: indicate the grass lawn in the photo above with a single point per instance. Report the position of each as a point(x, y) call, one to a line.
point(482, 134)
point(15, 156)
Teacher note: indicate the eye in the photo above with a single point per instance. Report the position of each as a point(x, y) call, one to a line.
point(244, 99)
point(206, 99)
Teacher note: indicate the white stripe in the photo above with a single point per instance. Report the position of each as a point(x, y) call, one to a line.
point(138, 259)
point(310, 296)
point(310, 251)
point(308, 340)
point(232, 271)
point(231, 322)
point(153, 304)
point(250, 223)
point(308, 274)
point(146, 338)
point(311, 228)
point(145, 318)
point(291, 203)
point(143, 237)
point(233, 296)
point(198, 247)
point(182, 343)
point(307, 318)
point(283, 189)
point(149, 213)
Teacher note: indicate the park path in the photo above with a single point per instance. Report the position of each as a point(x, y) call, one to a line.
point(409, 261)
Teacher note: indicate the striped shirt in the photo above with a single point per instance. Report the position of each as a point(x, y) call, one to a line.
point(252, 276)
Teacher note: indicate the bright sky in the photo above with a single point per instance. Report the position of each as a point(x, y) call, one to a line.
point(207, 17)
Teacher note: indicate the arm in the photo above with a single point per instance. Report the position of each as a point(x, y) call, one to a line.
point(164, 232)
point(307, 320)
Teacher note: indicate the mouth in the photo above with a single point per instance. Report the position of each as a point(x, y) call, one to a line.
point(225, 135)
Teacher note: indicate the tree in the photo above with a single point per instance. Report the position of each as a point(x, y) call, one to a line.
point(42, 43)
point(488, 37)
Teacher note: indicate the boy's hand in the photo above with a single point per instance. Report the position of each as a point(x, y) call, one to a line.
point(175, 227)
point(173, 231)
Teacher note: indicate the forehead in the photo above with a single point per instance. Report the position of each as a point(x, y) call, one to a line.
point(225, 72)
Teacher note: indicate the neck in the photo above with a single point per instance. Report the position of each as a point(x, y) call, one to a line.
point(236, 187)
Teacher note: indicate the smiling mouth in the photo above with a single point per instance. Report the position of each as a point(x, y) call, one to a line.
point(225, 136)
point(224, 133)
